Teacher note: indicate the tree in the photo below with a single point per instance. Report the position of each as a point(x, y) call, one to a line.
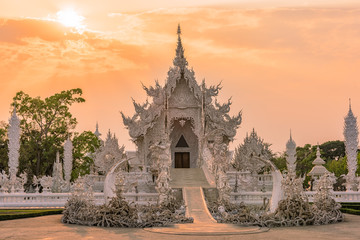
point(304, 158)
point(85, 145)
point(332, 150)
point(338, 167)
point(280, 162)
point(45, 125)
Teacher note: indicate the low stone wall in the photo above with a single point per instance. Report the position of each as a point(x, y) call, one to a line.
point(56, 200)
point(53, 200)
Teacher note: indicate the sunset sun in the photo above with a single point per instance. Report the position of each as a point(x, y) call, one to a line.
point(70, 18)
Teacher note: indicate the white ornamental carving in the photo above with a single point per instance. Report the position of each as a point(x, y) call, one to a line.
point(351, 133)
point(68, 161)
point(108, 154)
point(291, 155)
point(14, 146)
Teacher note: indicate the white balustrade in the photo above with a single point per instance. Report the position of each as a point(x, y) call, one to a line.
point(58, 200)
point(51, 200)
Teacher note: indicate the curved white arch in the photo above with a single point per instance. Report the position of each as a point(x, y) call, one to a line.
point(109, 184)
point(277, 193)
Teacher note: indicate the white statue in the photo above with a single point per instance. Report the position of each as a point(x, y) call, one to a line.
point(160, 154)
point(57, 174)
point(46, 182)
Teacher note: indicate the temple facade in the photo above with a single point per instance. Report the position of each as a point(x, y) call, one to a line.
point(184, 114)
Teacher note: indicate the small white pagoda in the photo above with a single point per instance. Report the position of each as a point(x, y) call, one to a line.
point(318, 170)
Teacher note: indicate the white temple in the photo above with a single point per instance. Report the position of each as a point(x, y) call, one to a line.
point(182, 128)
point(188, 116)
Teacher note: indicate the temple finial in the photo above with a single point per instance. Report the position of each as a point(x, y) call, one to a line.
point(179, 30)
point(179, 60)
point(349, 103)
point(97, 133)
point(318, 150)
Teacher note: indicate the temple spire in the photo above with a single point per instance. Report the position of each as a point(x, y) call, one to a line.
point(97, 133)
point(349, 104)
point(291, 154)
point(179, 60)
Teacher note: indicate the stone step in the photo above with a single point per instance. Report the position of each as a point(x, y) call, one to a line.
point(187, 177)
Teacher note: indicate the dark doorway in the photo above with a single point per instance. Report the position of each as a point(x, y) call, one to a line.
point(182, 160)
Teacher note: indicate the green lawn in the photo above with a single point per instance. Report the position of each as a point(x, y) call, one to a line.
point(8, 214)
point(351, 208)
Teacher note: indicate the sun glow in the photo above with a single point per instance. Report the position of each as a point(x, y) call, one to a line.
point(70, 18)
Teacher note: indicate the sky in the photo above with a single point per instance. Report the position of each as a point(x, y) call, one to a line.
point(286, 64)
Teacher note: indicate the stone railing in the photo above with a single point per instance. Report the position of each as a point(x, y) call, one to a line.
point(262, 181)
point(141, 198)
point(52, 200)
point(58, 200)
point(339, 196)
point(254, 198)
point(259, 198)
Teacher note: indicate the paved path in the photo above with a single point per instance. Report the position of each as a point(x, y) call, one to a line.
point(50, 228)
point(204, 224)
point(196, 205)
point(191, 180)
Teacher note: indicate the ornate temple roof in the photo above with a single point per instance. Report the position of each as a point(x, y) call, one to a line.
point(216, 114)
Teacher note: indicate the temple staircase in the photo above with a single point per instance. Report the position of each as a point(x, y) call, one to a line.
point(188, 177)
point(192, 180)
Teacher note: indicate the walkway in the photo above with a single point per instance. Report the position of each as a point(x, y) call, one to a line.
point(50, 228)
point(191, 180)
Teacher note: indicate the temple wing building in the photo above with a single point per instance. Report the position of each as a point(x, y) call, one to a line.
point(184, 113)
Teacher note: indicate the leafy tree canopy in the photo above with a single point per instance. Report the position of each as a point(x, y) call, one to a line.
point(45, 125)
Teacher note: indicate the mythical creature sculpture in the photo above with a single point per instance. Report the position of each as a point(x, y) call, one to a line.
point(162, 161)
point(220, 166)
point(46, 182)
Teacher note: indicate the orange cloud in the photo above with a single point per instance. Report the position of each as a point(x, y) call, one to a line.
point(286, 68)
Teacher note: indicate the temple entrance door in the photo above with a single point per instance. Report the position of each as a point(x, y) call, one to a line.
point(182, 160)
